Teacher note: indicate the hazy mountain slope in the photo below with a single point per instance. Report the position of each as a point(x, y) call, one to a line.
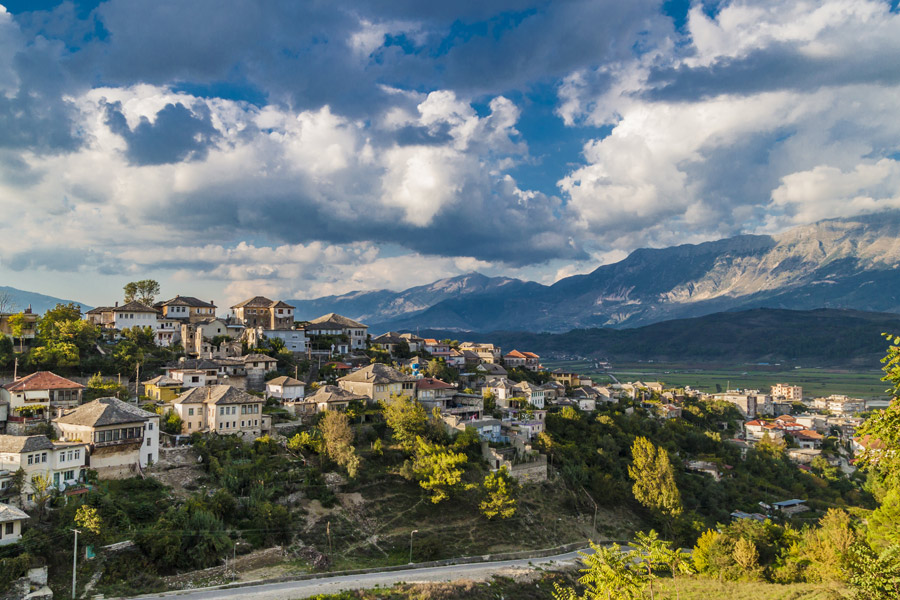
point(380, 305)
point(39, 303)
point(840, 263)
point(815, 337)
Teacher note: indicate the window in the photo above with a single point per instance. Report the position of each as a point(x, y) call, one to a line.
point(190, 412)
point(149, 441)
point(189, 424)
point(9, 528)
point(221, 410)
point(69, 475)
point(43, 457)
point(242, 423)
point(150, 426)
point(71, 455)
point(30, 459)
point(78, 455)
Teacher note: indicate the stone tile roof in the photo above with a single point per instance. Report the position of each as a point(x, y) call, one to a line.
point(11, 513)
point(162, 381)
point(216, 394)
point(336, 319)
point(42, 380)
point(24, 443)
point(105, 411)
point(262, 302)
point(135, 306)
point(186, 301)
point(332, 393)
point(377, 373)
point(284, 380)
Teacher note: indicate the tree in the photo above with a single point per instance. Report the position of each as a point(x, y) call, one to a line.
point(654, 479)
point(144, 291)
point(99, 387)
point(55, 355)
point(746, 556)
point(438, 469)
point(88, 519)
point(338, 438)
point(40, 490)
point(7, 303)
point(17, 327)
point(884, 522)
point(875, 575)
point(498, 500)
point(824, 551)
point(608, 573)
point(650, 553)
point(172, 423)
point(142, 337)
point(6, 350)
point(407, 420)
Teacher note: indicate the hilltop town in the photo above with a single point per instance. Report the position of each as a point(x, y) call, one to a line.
point(352, 406)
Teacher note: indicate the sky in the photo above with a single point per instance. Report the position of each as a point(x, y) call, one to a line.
point(299, 149)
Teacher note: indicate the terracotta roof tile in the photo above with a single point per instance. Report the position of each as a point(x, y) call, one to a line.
point(42, 380)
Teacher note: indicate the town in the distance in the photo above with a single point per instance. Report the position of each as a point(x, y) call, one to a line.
point(292, 446)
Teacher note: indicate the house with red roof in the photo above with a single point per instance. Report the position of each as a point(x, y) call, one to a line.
point(32, 397)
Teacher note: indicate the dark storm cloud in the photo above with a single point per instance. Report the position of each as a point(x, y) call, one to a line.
point(778, 67)
point(176, 134)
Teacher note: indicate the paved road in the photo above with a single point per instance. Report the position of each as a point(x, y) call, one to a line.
point(293, 590)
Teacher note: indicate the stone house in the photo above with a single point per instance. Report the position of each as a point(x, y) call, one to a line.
point(135, 314)
point(327, 397)
point(221, 409)
point(334, 324)
point(163, 388)
point(259, 311)
point(63, 463)
point(122, 438)
point(286, 389)
point(431, 393)
point(36, 396)
point(186, 308)
point(379, 382)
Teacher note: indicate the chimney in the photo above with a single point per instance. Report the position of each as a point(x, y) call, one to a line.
point(117, 304)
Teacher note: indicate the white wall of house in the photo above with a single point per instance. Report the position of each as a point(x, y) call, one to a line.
point(286, 393)
point(11, 532)
point(294, 339)
point(123, 320)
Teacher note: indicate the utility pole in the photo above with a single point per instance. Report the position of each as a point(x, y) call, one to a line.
point(594, 524)
point(410, 544)
point(16, 369)
point(74, 562)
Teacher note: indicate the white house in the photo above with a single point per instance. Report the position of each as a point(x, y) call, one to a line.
point(135, 314)
point(11, 521)
point(286, 389)
point(62, 463)
point(122, 437)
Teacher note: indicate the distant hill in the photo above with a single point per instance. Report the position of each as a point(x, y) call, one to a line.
point(849, 263)
point(819, 337)
point(39, 303)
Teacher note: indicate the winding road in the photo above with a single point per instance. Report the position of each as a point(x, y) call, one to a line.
point(295, 590)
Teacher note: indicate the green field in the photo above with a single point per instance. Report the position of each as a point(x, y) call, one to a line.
point(712, 378)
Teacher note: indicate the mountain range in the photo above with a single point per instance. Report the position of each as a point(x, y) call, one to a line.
point(19, 300)
point(849, 263)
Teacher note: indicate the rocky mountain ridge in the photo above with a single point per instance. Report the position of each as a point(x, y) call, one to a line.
point(851, 263)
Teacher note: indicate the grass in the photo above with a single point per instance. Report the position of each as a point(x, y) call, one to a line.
point(378, 533)
point(702, 589)
point(815, 381)
point(540, 587)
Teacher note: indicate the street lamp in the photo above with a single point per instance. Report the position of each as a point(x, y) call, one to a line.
point(410, 543)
